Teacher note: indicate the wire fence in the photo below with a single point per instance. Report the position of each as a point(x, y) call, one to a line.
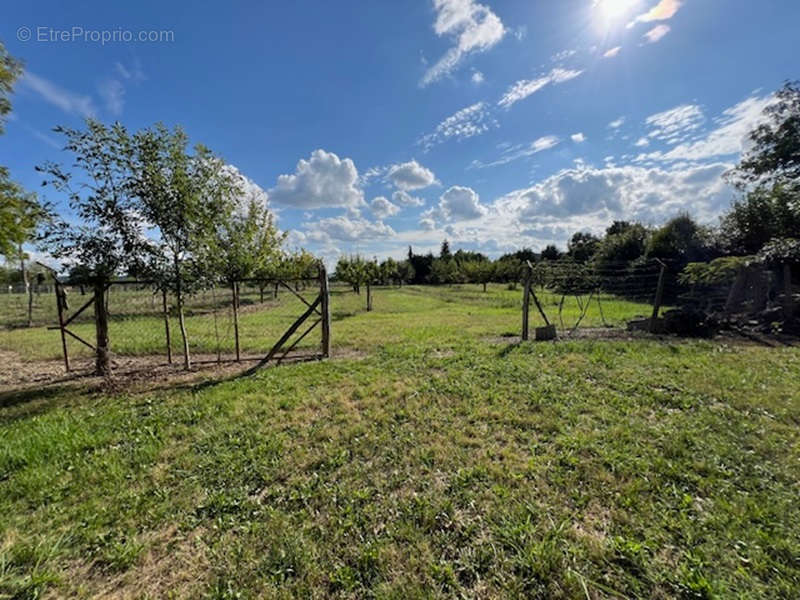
point(219, 325)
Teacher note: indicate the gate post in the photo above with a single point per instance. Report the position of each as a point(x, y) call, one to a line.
point(325, 305)
point(526, 299)
point(658, 298)
point(60, 307)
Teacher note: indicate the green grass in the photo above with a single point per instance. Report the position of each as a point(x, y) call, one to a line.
point(137, 328)
point(440, 463)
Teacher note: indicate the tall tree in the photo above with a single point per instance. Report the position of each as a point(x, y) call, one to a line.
point(108, 237)
point(775, 154)
point(444, 252)
point(769, 176)
point(185, 196)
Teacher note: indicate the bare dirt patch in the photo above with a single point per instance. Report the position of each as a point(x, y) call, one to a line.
point(133, 374)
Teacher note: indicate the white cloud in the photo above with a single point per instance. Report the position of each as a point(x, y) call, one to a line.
point(67, 101)
point(512, 153)
point(475, 29)
point(578, 138)
point(563, 55)
point(132, 72)
point(656, 33)
point(403, 198)
point(642, 143)
point(612, 52)
point(477, 77)
point(466, 123)
point(629, 192)
point(382, 208)
point(113, 94)
point(460, 203)
point(323, 181)
point(617, 123)
point(525, 87)
point(675, 124)
point(427, 223)
point(663, 11)
point(410, 176)
point(730, 137)
point(347, 229)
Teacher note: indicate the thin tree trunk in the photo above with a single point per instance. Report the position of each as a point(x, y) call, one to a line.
point(235, 292)
point(187, 361)
point(102, 362)
point(166, 324)
point(28, 286)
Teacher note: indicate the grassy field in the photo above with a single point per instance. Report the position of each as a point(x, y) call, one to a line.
point(137, 326)
point(433, 458)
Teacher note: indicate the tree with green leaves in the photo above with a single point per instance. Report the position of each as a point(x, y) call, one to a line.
point(769, 177)
point(10, 70)
point(582, 246)
point(478, 271)
point(550, 252)
point(21, 216)
point(775, 153)
point(185, 195)
point(108, 238)
point(405, 272)
point(680, 240)
point(444, 252)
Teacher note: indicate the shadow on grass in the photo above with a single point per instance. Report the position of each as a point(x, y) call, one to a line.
point(29, 402)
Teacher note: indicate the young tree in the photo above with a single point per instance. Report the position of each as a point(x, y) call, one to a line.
point(108, 239)
point(185, 196)
point(21, 216)
point(244, 244)
point(389, 271)
point(478, 271)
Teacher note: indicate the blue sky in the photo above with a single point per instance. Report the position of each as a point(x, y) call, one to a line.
point(369, 126)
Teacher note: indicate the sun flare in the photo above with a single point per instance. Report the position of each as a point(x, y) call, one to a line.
point(613, 10)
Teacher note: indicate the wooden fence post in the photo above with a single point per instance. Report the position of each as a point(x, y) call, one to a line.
point(166, 324)
point(788, 301)
point(60, 308)
point(659, 296)
point(369, 297)
point(526, 300)
point(326, 311)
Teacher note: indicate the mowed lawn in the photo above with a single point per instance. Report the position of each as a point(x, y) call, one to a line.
point(432, 458)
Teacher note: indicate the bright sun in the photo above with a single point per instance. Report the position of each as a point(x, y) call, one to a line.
point(613, 10)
